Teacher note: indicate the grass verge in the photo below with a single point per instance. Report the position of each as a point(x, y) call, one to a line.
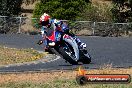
point(62, 79)
point(13, 55)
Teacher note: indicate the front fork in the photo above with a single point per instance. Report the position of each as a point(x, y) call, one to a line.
point(73, 43)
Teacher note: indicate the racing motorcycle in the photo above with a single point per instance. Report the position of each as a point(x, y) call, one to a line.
point(66, 46)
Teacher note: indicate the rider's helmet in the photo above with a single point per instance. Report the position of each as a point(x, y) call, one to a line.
point(44, 19)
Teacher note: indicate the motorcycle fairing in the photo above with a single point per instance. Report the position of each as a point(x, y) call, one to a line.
point(55, 36)
point(73, 43)
point(52, 37)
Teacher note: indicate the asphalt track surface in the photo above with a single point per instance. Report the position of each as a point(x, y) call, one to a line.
point(114, 51)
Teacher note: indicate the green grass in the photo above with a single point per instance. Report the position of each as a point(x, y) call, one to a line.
point(61, 83)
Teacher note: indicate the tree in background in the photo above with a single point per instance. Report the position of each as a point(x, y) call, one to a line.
point(130, 11)
point(71, 9)
point(13, 7)
point(61, 9)
point(122, 10)
point(130, 2)
point(97, 13)
point(10, 7)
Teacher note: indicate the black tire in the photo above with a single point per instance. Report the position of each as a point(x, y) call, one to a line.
point(84, 59)
point(81, 80)
point(67, 57)
point(50, 51)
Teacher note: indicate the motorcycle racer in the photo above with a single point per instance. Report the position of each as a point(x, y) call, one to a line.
point(47, 23)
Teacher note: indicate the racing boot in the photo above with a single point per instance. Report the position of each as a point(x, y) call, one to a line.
point(82, 47)
point(45, 49)
point(80, 44)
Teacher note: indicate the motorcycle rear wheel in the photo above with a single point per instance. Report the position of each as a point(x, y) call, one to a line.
point(85, 59)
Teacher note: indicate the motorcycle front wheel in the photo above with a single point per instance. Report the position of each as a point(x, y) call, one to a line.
point(85, 58)
point(67, 55)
